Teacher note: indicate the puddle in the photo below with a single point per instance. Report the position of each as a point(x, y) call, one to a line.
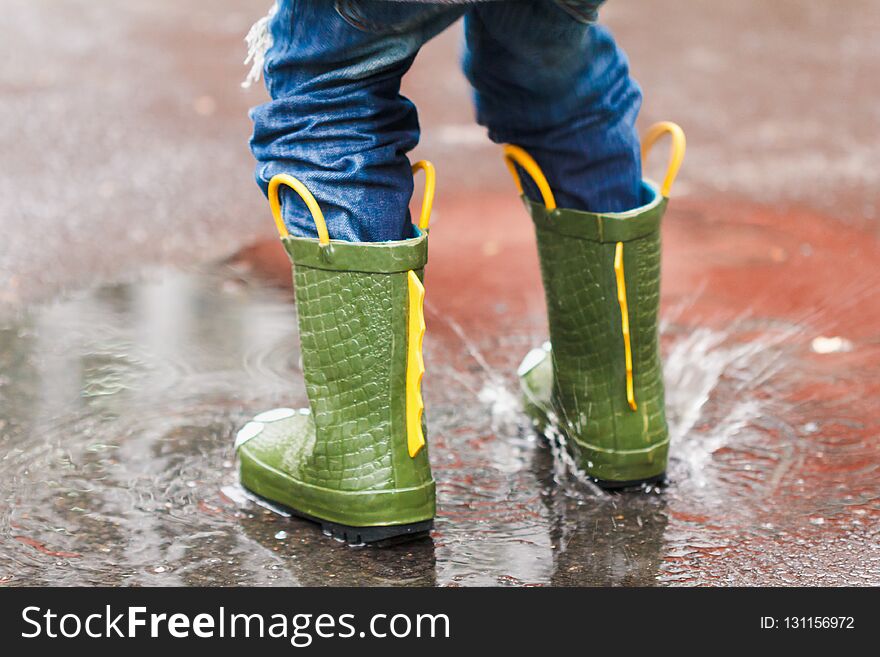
point(120, 404)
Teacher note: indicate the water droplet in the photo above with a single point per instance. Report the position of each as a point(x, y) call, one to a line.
point(825, 345)
point(275, 414)
point(248, 431)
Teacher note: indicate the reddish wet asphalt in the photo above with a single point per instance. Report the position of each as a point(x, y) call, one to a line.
point(123, 150)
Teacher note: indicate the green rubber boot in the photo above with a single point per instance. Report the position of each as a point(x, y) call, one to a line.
point(355, 461)
point(599, 388)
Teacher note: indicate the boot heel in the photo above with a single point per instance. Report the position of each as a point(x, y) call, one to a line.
point(380, 536)
point(659, 479)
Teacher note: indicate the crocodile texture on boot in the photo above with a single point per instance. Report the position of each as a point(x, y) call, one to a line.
point(355, 460)
point(600, 384)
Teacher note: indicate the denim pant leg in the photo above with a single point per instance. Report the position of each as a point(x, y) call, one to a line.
point(337, 120)
point(560, 88)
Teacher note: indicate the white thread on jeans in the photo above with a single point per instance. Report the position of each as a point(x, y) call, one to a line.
point(258, 41)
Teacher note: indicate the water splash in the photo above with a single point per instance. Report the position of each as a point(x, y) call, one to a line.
point(504, 406)
point(698, 363)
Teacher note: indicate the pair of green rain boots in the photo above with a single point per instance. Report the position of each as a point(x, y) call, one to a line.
point(356, 460)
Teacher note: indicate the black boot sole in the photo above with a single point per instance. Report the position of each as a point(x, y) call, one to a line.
point(380, 536)
point(624, 485)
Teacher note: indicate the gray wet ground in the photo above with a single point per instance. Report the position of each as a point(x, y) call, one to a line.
point(127, 363)
point(121, 404)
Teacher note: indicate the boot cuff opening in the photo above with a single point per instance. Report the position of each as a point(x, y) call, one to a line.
point(602, 226)
point(371, 257)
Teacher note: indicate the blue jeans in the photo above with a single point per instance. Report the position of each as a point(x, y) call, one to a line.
point(544, 79)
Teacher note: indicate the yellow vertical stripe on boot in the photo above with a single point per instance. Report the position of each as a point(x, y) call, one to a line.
point(624, 322)
point(415, 365)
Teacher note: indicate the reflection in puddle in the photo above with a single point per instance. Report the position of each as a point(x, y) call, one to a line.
point(119, 406)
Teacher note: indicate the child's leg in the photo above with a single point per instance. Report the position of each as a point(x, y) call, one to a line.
point(560, 89)
point(337, 120)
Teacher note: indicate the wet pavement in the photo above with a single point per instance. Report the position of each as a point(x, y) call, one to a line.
point(119, 400)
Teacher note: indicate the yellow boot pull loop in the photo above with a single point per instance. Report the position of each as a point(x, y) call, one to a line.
point(318, 216)
point(430, 187)
point(305, 195)
point(676, 154)
point(514, 155)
